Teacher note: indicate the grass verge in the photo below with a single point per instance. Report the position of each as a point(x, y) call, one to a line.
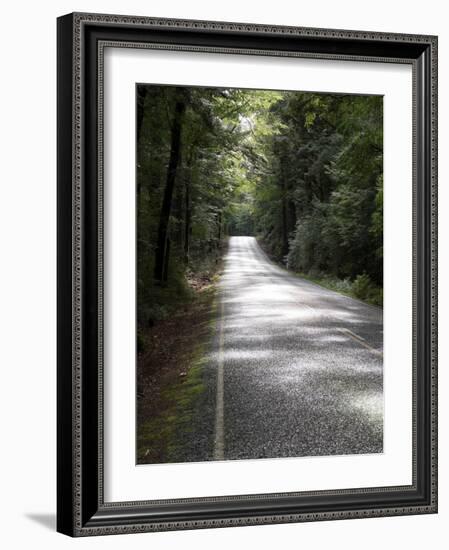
point(360, 288)
point(170, 373)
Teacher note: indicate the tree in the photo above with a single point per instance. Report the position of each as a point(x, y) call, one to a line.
point(163, 242)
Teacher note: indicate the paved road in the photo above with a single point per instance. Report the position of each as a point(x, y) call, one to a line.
point(297, 368)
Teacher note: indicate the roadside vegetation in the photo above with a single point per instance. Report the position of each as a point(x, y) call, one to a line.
point(318, 209)
point(170, 378)
point(302, 171)
point(361, 288)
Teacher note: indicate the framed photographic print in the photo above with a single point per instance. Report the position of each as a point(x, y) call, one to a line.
point(246, 274)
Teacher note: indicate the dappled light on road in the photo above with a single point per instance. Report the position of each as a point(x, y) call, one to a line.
point(302, 365)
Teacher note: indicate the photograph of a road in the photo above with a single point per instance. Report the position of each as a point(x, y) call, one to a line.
point(298, 368)
point(251, 205)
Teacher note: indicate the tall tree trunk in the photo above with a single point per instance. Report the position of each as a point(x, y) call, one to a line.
point(284, 225)
point(166, 260)
point(162, 251)
point(177, 230)
point(219, 227)
point(187, 220)
point(188, 201)
point(284, 211)
point(141, 94)
point(291, 216)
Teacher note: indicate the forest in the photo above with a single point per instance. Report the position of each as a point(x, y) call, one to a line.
point(301, 171)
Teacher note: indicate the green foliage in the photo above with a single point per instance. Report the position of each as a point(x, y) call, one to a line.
point(376, 229)
point(307, 252)
point(205, 179)
point(364, 289)
point(362, 285)
point(301, 170)
point(324, 193)
point(241, 220)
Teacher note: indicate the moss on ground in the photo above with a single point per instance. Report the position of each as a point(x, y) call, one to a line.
point(158, 438)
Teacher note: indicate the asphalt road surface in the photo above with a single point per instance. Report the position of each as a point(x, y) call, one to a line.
point(295, 369)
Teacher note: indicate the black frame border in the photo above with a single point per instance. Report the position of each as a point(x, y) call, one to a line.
point(81, 510)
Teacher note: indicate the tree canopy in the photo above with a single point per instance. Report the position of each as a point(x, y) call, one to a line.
point(301, 171)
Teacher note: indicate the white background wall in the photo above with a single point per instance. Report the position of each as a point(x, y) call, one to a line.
point(28, 283)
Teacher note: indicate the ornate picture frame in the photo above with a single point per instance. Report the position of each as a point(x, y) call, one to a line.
point(81, 508)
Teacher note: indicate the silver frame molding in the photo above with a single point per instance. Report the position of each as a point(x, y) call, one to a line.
point(81, 42)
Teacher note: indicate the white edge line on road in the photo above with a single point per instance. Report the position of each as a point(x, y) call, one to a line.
point(219, 411)
point(360, 340)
